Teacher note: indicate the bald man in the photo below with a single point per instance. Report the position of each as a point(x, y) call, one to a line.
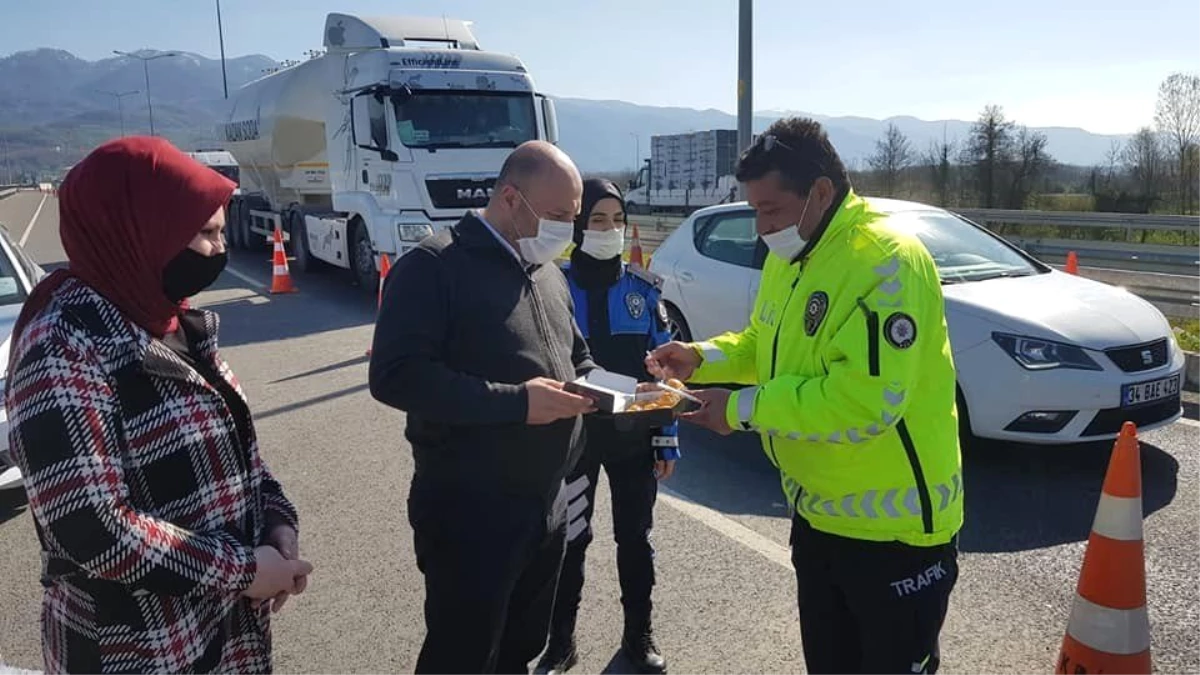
point(474, 341)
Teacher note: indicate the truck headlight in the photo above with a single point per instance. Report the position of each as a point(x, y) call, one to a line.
point(1038, 354)
point(413, 231)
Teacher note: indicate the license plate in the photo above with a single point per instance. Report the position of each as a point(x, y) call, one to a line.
point(1148, 392)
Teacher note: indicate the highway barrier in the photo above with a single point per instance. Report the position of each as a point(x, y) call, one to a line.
point(1127, 255)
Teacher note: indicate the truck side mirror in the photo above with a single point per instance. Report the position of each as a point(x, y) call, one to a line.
point(550, 119)
point(388, 155)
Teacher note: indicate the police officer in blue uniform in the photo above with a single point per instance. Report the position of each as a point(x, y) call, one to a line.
point(620, 313)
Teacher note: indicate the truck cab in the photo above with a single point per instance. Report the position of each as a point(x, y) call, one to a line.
point(413, 121)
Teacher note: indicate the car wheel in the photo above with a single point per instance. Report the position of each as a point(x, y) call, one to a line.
point(677, 324)
point(966, 437)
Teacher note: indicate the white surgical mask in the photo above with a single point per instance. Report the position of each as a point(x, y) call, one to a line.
point(603, 244)
point(553, 237)
point(787, 243)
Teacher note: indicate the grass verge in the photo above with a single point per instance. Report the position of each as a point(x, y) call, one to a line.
point(1187, 333)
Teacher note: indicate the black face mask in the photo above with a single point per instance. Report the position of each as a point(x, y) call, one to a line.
point(190, 272)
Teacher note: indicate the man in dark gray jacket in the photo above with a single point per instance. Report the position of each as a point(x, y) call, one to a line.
point(474, 341)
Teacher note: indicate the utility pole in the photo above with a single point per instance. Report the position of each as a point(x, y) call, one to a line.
point(120, 108)
point(146, 69)
point(221, 36)
point(745, 87)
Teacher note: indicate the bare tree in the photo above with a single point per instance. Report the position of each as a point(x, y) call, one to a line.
point(1146, 162)
point(1177, 117)
point(1113, 159)
point(989, 149)
point(893, 154)
point(937, 158)
point(1028, 163)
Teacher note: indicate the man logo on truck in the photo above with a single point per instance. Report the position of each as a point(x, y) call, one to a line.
point(474, 193)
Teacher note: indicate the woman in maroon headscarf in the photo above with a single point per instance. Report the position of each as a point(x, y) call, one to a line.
point(166, 542)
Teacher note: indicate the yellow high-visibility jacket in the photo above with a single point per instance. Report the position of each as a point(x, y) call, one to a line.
point(855, 395)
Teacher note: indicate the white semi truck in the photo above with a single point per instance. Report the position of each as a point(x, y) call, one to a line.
point(395, 131)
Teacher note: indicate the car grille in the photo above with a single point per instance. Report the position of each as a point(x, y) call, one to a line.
point(1110, 420)
point(448, 193)
point(1137, 358)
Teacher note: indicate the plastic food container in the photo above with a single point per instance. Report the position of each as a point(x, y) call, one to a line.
point(614, 394)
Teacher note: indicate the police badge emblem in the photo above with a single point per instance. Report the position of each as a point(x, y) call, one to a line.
point(814, 312)
point(900, 330)
point(636, 304)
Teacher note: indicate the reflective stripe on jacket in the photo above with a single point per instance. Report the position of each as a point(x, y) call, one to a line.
point(855, 383)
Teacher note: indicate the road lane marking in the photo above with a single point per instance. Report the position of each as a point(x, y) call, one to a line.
point(724, 525)
point(247, 278)
point(33, 221)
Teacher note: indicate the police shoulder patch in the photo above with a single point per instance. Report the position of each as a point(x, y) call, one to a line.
point(900, 330)
point(636, 304)
point(814, 312)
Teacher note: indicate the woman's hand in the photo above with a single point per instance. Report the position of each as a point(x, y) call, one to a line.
point(287, 542)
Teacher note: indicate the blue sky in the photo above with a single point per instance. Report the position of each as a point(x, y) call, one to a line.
point(1094, 64)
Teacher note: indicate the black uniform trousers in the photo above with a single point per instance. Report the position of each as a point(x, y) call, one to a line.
point(870, 607)
point(491, 565)
point(634, 489)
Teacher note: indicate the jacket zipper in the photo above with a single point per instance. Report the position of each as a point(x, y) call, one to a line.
point(544, 331)
point(774, 355)
point(914, 461)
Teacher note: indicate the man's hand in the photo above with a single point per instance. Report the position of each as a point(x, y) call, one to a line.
point(287, 542)
point(711, 415)
point(673, 360)
point(549, 403)
point(275, 574)
point(663, 468)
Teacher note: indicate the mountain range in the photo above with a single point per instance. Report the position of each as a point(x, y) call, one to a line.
point(54, 107)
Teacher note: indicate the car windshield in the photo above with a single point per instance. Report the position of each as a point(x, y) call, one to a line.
point(466, 120)
point(12, 291)
point(961, 251)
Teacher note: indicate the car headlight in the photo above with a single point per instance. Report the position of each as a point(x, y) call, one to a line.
point(413, 231)
point(1038, 354)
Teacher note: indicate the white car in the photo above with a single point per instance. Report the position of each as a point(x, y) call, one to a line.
point(1043, 356)
point(18, 276)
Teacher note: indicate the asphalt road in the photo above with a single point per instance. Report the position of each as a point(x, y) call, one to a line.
point(725, 599)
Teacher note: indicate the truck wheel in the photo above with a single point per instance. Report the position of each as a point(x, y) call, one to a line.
point(302, 258)
point(233, 225)
point(362, 257)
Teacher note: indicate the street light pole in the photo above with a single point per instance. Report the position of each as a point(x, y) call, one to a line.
point(221, 36)
point(745, 89)
point(146, 69)
point(120, 108)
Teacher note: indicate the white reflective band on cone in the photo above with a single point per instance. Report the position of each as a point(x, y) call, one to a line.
point(1119, 518)
point(1116, 631)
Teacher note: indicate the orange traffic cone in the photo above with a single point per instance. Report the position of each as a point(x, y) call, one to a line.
point(1072, 263)
point(385, 266)
point(281, 279)
point(635, 249)
point(1109, 629)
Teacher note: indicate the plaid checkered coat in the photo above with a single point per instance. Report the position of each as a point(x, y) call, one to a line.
point(147, 500)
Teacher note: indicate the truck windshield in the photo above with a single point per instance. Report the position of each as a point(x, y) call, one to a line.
point(466, 120)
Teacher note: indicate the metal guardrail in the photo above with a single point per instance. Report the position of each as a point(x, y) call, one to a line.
point(1130, 255)
point(1086, 219)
